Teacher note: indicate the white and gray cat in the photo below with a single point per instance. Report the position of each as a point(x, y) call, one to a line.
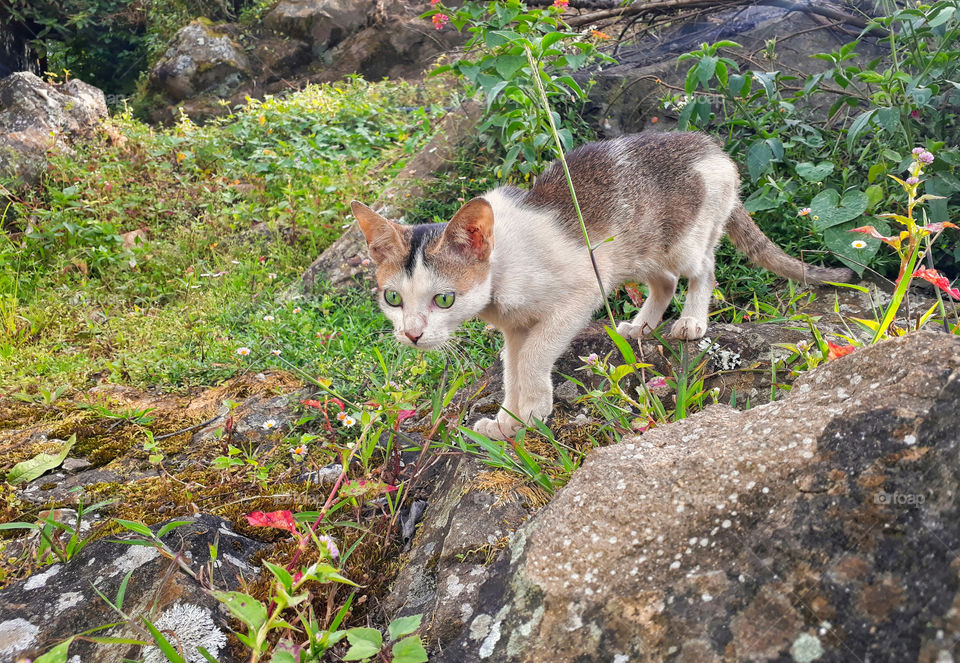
point(517, 258)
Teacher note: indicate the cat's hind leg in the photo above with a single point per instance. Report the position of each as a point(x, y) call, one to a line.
point(696, 308)
point(662, 286)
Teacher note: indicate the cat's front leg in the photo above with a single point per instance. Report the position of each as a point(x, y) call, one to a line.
point(533, 361)
point(503, 425)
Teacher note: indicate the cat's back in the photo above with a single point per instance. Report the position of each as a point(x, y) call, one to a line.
point(651, 172)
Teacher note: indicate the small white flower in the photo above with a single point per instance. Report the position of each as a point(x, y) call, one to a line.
point(275, 353)
point(297, 309)
point(858, 244)
point(269, 424)
point(349, 421)
point(271, 276)
point(268, 318)
point(243, 352)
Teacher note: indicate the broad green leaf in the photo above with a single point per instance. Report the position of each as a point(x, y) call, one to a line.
point(828, 209)
point(758, 158)
point(364, 643)
point(33, 468)
point(876, 170)
point(245, 608)
point(409, 650)
point(841, 241)
point(508, 65)
point(404, 626)
point(814, 173)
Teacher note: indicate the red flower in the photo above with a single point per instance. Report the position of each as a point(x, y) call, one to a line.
point(934, 277)
point(440, 20)
point(837, 351)
point(312, 403)
point(277, 519)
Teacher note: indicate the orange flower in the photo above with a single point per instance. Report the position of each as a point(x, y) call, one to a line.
point(599, 35)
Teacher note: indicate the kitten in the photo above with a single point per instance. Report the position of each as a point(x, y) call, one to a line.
point(517, 258)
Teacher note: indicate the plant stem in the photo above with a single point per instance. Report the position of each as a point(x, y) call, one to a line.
point(535, 72)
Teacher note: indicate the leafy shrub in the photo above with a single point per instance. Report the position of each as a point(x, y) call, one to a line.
point(497, 67)
point(832, 174)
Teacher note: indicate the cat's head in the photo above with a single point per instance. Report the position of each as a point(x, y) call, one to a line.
point(431, 277)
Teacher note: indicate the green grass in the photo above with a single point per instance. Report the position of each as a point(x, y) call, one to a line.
point(230, 214)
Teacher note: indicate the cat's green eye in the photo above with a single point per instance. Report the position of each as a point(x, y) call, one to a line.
point(444, 299)
point(392, 297)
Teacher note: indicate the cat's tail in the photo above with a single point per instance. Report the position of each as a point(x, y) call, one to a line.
point(751, 241)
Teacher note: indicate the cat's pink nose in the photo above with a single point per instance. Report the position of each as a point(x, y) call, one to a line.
point(414, 337)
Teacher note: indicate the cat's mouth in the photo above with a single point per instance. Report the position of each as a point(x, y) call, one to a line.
point(420, 343)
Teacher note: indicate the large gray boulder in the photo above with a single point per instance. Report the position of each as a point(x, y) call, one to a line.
point(819, 527)
point(203, 60)
point(322, 23)
point(37, 118)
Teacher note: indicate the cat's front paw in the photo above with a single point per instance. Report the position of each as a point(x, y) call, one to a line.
point(631, 330)
point(688, 329)
point(496, 429)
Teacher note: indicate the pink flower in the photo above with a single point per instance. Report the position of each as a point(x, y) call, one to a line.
point(915, 114)
point(440, 20)
point(591, 359)
point(912, 181)
point(657, 382)
point(805, 211)
point(330, 545)
point(560, 4)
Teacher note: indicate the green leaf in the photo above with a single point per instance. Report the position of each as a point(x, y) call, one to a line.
point(889, 119)
point(876, 170)
point(508, 65)
point(139, 528)
point(758, 158)
point(164, 645)
point(244, 607)
point(706, 69)
point(409, 650)
point(33, 468)
point(166, 529)
point(827, 209)
point(280, 574)
point(550, 39)
point(404, 626)
point(622, 344)
point(210, 659)
point(859, 125)
point(121, 592)
point(364, 643)
point(814, 173)
point(56, 655)
point(18, 525)
point(874, 195)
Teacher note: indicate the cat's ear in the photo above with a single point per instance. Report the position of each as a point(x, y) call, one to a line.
point(384, 237)
point(470, 231)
